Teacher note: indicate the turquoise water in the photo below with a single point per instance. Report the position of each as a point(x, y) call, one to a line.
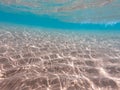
point(104, 17)
point(59, 45)
point(30, 19)
point(48, 22)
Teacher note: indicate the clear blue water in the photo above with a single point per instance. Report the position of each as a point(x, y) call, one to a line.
point(48, 22)
point(30, 19)
point(59, 45)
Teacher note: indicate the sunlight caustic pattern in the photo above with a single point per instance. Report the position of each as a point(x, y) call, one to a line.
point(32, 59)
point(37, 58)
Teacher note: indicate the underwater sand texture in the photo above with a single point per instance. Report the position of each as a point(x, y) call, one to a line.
point(36, 59)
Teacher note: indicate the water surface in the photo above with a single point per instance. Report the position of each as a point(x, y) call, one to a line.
point(59, 45)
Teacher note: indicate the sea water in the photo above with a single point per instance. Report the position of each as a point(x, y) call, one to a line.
point(49, 52)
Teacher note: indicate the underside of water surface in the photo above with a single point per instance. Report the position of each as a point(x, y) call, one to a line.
point(80, 11)
point(59, 45)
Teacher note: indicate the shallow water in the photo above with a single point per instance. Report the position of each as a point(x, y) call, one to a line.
point(41, 59)
point(95, 11)
point(59, 45)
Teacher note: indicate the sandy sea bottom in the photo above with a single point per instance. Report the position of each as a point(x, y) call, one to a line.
point(38, 59)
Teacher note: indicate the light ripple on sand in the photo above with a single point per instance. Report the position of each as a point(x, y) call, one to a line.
point(55, 60)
